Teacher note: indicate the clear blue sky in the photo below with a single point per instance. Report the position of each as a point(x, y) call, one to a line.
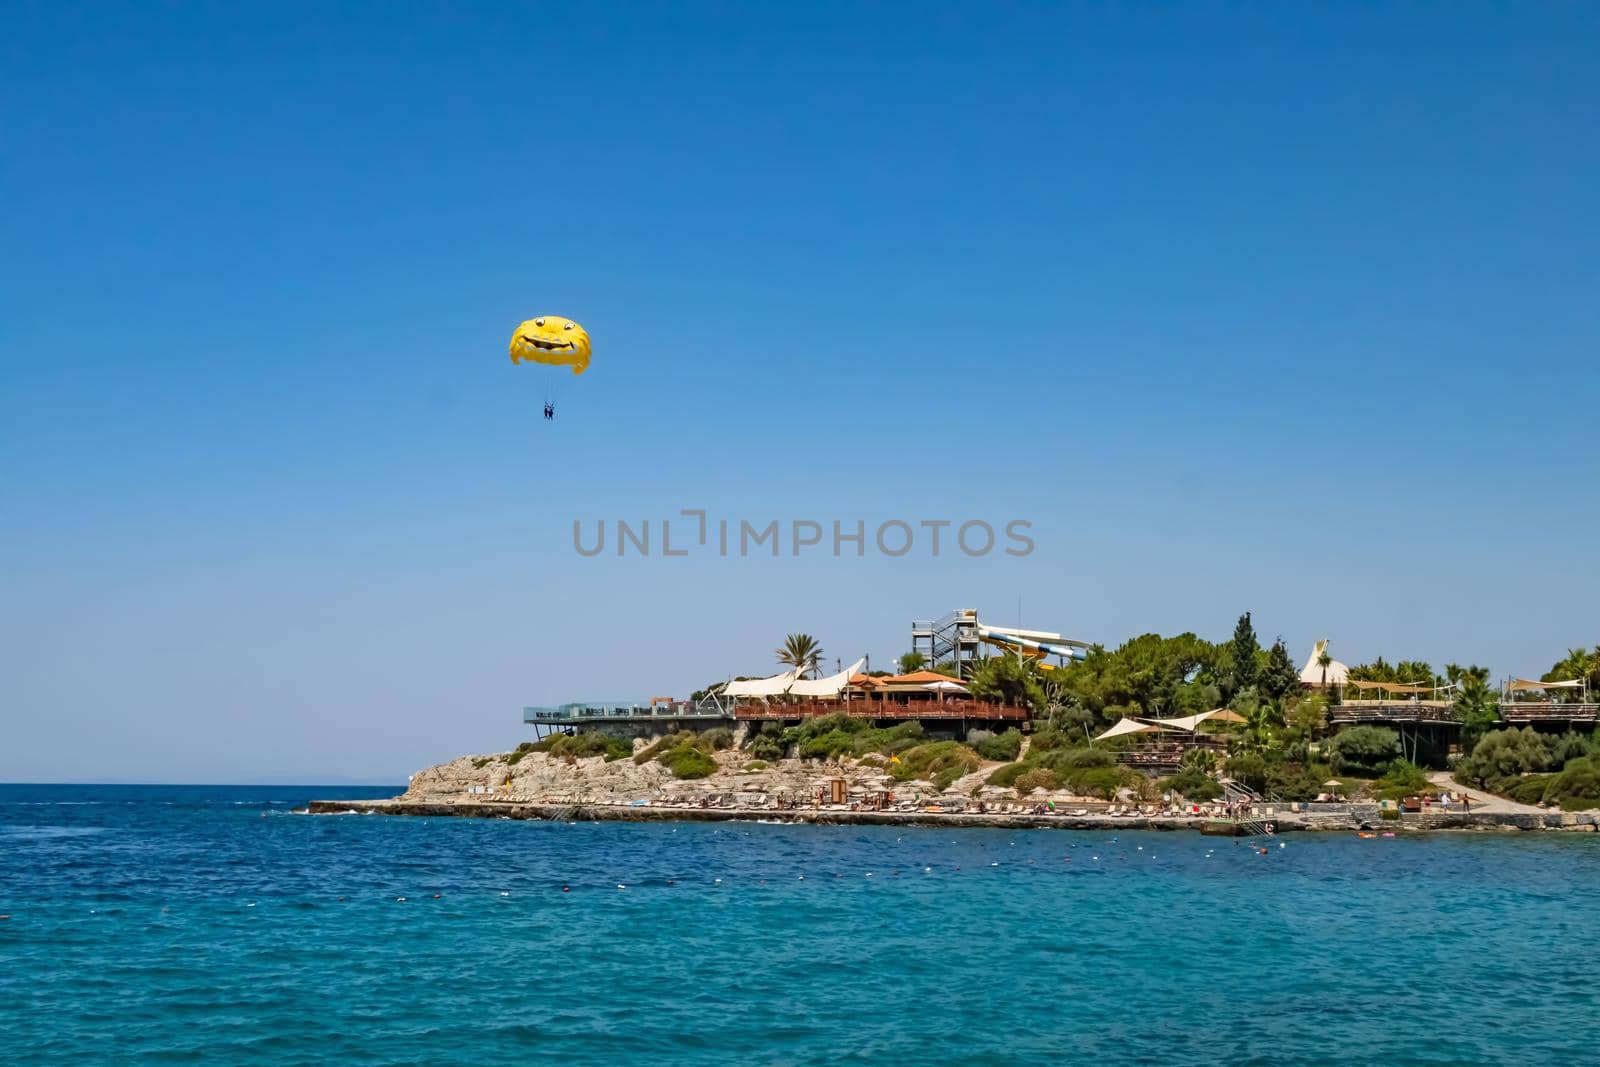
point(1286, 308)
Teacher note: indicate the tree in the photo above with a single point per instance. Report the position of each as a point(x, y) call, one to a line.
point(1008, 680)
point(1579, 664)
point(1243, 651)
point(1363, 748)
point(800, 651)
point(1280, 678)
point(911, 661)
point(1475, 705)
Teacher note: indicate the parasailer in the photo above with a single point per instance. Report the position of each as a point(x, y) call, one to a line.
point(555, 342)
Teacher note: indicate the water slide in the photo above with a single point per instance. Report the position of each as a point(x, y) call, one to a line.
point(1038, 644)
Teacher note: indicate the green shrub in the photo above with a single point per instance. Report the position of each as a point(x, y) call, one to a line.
point(1049, 739)
point(514, 757)
point(940, 762)
point(1297, 781)
point(1569, 746)
point(1577, 786)
point(1389, 814)
point(1248, 769)
point(662, 744)
point(1402, 779)
point(768, 743)
point(1193, 785)
point(1003, 746)
point(1363, 748)
point(1005, 777)
point(718, 738)
point(756, 765)
point(830, 745)
point(584, 745)
point(1100, 782)
point(1065, 760)
point(481, 762)
point(1037, 778)
point(1528, 789)
point(686, 761)
point(1504, 754)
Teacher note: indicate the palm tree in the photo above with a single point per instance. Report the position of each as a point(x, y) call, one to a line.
point(1324, 661)
point(801, 652)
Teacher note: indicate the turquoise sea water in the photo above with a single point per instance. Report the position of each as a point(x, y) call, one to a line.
point(199, 924)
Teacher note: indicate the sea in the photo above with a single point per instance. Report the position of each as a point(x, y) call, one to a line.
point(201, 924)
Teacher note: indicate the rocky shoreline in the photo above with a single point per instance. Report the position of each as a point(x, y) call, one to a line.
point(537, 787)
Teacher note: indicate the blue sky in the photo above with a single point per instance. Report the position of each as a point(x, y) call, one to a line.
point(1287, 309)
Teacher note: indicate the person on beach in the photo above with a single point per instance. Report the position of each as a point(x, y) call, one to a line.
point(549, 411)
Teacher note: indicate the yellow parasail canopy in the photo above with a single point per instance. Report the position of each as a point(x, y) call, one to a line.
point(552, 340)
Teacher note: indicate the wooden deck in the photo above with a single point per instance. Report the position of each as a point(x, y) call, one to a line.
point(880, 709)
point(1548, 711)
point(1395, 711)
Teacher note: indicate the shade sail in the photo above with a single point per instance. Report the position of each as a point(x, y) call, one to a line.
point(831, 686)
point(1522, 685)
point(1392, 687)
point(761, 687)
point(1226, 715)
point(1129, 726)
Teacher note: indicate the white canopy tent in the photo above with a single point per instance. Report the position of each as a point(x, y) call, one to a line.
point(1312, 673)
point(1130, 726)
point(831, 686)
point(762, 687)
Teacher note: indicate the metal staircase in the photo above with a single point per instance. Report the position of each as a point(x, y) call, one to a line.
point(952, 638)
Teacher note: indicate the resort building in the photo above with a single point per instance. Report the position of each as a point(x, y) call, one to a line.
point(941, 703)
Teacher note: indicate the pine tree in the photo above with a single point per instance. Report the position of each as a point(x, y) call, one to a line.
point(1244, 650)
point(1280, 678)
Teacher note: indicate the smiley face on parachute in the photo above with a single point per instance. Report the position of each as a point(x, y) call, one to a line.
point(551, 339)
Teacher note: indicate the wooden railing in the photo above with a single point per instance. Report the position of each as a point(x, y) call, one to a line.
point(1547, 711)
point(881, 709)
point(1391, 711)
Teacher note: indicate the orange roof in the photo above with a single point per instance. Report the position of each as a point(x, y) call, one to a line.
point(920, 678)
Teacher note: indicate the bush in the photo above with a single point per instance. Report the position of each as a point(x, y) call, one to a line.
point(1577, 786)
point(1049, 739)
point(1248, 769)
point(1297, 781)
point(686, 761)
point(890, 741)
point(1529, 789)
point(1569, 746)
point(1004, 746)
point(768, 743)
point(1501, 755)
point(1402, 779)
point(1389, 814)
point(1064, 760)
point(940, 762)
point(1193, 785)
point(718, 738)
point(826, 746)
point(1363, 748)
point(1037, 778)
point(756, 765)
point(1100, 782)
point(1005, 777)
point(574, 747)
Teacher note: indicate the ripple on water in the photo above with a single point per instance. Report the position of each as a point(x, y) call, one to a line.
point(182, 925)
